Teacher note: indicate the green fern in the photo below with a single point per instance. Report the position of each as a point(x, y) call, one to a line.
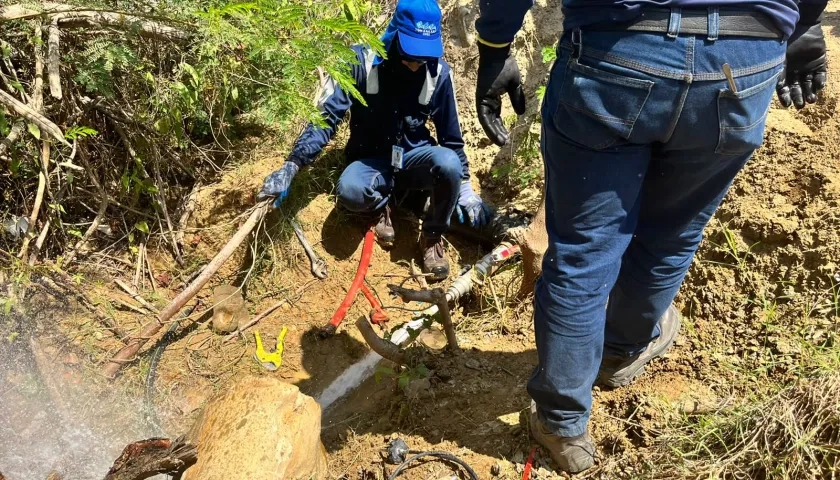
point(100, 59)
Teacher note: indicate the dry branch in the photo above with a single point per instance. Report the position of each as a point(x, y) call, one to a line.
point(384, 348)
point(151, 457)
point(33, 116)
point(53, 59)
point(127, 353)
point(69, 16)
point(39, 195)
point(136, 296)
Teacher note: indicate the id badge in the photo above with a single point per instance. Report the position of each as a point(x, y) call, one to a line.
point(397, 157)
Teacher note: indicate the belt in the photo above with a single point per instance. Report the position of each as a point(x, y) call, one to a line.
point(696, 22)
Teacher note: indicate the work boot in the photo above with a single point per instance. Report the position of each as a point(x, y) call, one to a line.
point(618, 372)
point(434, 258)
point(571, 454)
point(384, 229)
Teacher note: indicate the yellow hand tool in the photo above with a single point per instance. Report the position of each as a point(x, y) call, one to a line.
point(270, 360)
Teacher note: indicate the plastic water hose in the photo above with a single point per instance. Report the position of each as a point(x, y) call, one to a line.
point(364, 262)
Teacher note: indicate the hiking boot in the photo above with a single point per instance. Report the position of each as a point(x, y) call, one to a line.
point(434, 258)
point(384, 229)
point(618, 372)
point(571, 454)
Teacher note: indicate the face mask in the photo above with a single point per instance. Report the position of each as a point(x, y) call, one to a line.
point(400, 75)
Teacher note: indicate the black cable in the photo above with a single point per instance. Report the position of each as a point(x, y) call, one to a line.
point(442, 455)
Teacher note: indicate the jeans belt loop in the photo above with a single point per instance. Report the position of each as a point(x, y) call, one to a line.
point(577, 43)
point(674, 22)
point(714, 23)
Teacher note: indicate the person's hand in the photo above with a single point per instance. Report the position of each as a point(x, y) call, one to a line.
point(277, 184)
point(805, 68)
point(498, 73)
point(471, 208)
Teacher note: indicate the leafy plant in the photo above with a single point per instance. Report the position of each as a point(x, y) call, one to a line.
point(403, 375)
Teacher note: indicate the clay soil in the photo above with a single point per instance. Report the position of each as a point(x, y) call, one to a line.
point(761, 291)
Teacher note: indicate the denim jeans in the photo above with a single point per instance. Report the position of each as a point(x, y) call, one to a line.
point(641, 138)
point(367, 185)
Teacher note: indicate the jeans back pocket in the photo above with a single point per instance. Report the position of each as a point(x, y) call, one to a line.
point(598, 108)
point(743, 115)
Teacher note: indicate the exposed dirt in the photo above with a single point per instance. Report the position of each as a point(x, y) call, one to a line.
point(753, 304)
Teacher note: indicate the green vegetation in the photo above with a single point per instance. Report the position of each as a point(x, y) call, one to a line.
point(154, 98)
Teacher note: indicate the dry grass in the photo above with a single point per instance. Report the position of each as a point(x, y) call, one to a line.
point(794, 434)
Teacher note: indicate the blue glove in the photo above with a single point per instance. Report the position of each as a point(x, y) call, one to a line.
point(471, 207)
point(277, 184)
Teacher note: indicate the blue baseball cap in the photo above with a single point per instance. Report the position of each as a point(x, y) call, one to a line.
point(417, 23)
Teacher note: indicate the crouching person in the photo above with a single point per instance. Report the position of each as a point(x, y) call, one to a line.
point(391, 152)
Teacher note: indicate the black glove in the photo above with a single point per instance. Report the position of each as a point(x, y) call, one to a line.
point(805, 68)
point(497, 73)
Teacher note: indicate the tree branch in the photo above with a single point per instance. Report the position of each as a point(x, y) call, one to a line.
point(69, 16)
point(53, 59)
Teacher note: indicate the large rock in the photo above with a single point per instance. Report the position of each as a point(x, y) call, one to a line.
point(260, 428)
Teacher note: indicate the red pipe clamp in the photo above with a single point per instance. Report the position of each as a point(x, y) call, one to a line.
point(378, 315)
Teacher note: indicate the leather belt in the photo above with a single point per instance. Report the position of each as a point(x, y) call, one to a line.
point(732, 23)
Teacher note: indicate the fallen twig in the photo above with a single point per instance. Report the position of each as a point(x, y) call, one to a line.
point(39, 195)
point(136, 296)
point(129, 306)
point(138, 270)
point(125, 354)
point(151, 273)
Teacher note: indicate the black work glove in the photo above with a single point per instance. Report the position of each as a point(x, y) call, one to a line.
point(805, 68)
point(497, 73)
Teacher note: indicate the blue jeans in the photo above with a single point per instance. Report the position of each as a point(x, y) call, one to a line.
point(641, 137)
point(367, 185)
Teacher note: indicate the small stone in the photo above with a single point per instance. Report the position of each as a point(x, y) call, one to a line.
point(72, 359)
point(496, 469)
point(472, 363)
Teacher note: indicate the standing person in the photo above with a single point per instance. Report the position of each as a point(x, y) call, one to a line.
point(651, 109)
point(391, 151)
